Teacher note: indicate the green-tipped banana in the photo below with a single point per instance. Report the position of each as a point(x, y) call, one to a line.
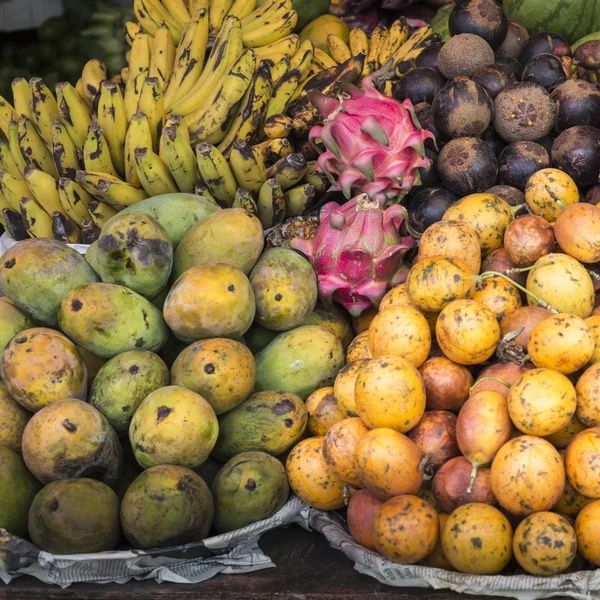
point(216, 173)
point(178, 154)
point(248, 166)
point(271, 204)
point(153, 173)
point(289, 170)
point(243, 199)
point(299, 200)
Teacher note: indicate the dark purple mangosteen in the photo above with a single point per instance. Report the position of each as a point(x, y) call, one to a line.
point(484, 18)
point(543, 42)
point(545, 70)
point(515, 39)
point(593, 195)
point(424, 114)
point(419, 85)
point(428, 207)
point(429, 56)
point(511, 65)
point(577, 103)
point(576, 151)
point(494, 78)
point(510, 195)
point(493, 140)
point(519, 161)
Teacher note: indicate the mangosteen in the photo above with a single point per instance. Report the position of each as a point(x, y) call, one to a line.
point(484, 18)
point(546, 143)
point(519, 161)
point(429, 56)
point(428, 206)
point(587, 56)
point(464, 54)
point(576, 151)
point(593, 195)
point(543, 42)
point(429, 175)
point(523, 111)
point(510, 65)
point(462, 108)
point(577, 103)
point(424, 114)
point(467, 165)
point(515, 39)
point(494, 78)
point(545, 70)
point(493, 140)
point(419, 85)
point(509, 194)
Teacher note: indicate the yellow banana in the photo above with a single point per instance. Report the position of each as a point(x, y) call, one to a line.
point(195, 6)
point(131, 29)
point(139, 66)
point(89, 232)
point(125, 77)
point(143, 16)
point(119, 194)
point(44, 188)
point(282, 92)
point(138, 136)
point(153, 173)
point(227, 48)
point(418, 41)
point(299, 200)
point(73, 113)
point(358, 41)
point(303, 59)
point(14, 189)
point(37, 221)
point(82, 94)
point(22, 97)
point(229, 93)
point(112, 119)
point(271, 204)
point(178, 154)
point(273, 150)
point(337, 48)
point(15, 148)
point(378, 40)
point(7, 162)
point(247, 166)
point(397, 37)
point(323, 60)
point(251, 114)
point(154, 14)
point(93, 74)
point(64, 152)
point(152, 105)
point(217, 12)
point(74, 199)
point(216, 173)
point(268, 12)
point(178, 10)
point(118, 80)
point(388, 88)
point(6, 115)
point(278, 126)
point(243, 199)
point(279, 69)
point(317, 179)
point(304, 121)
point(33, 147)
point(286, 46)
point(201, 189)
point(96, 155)
point(43, 109)
point(65, 229)
point(271, 32)
point(288, 171)
point(189, 59)
point(100, 212)
point(242, 8)
point(162, 57)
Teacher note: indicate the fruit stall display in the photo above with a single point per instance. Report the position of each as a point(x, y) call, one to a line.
point(357, 267)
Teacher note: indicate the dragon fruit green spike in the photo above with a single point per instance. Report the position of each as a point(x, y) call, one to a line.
point(357, 252)
point(374, 143)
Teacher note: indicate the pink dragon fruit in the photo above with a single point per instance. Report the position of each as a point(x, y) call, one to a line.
point(374, 143)
point(357, 252)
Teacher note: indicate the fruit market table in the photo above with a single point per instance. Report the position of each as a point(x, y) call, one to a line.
point(307, 569)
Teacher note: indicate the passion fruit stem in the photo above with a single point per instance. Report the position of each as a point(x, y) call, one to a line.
point(518, 208)
point(424, 462)
point(489, 379)
point(593, 274)
point(541, 302)
point(472, 480)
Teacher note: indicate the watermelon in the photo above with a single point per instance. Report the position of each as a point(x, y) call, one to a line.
point(572, 19)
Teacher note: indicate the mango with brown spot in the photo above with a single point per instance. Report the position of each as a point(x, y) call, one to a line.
point(528, 475)
point(167, 505)
point(467, 332)
point(359, 348)
point(173, 426)
point(406, 529)
point(36, 274)
point(213, 300)
point(268, 422)
point(339, 449)
point(123, 383)
point(69, 439)
point(285, 288)
point(108, 319)
point(12, 321)
point(311, 478)
point(222, 371)
point(12, 421)
point(389, 392)
point(388, 463)
point(41, 366)
point(344, 387)
point(541, 402)
point(334, 319)
point(134, 250)
point(545, 544)
point(323, 411)
point(477, 539)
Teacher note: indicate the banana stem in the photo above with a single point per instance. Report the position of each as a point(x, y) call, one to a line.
point(472, 480)
point(489, 379)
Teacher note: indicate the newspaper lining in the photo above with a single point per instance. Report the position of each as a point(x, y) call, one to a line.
point(234, 552)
